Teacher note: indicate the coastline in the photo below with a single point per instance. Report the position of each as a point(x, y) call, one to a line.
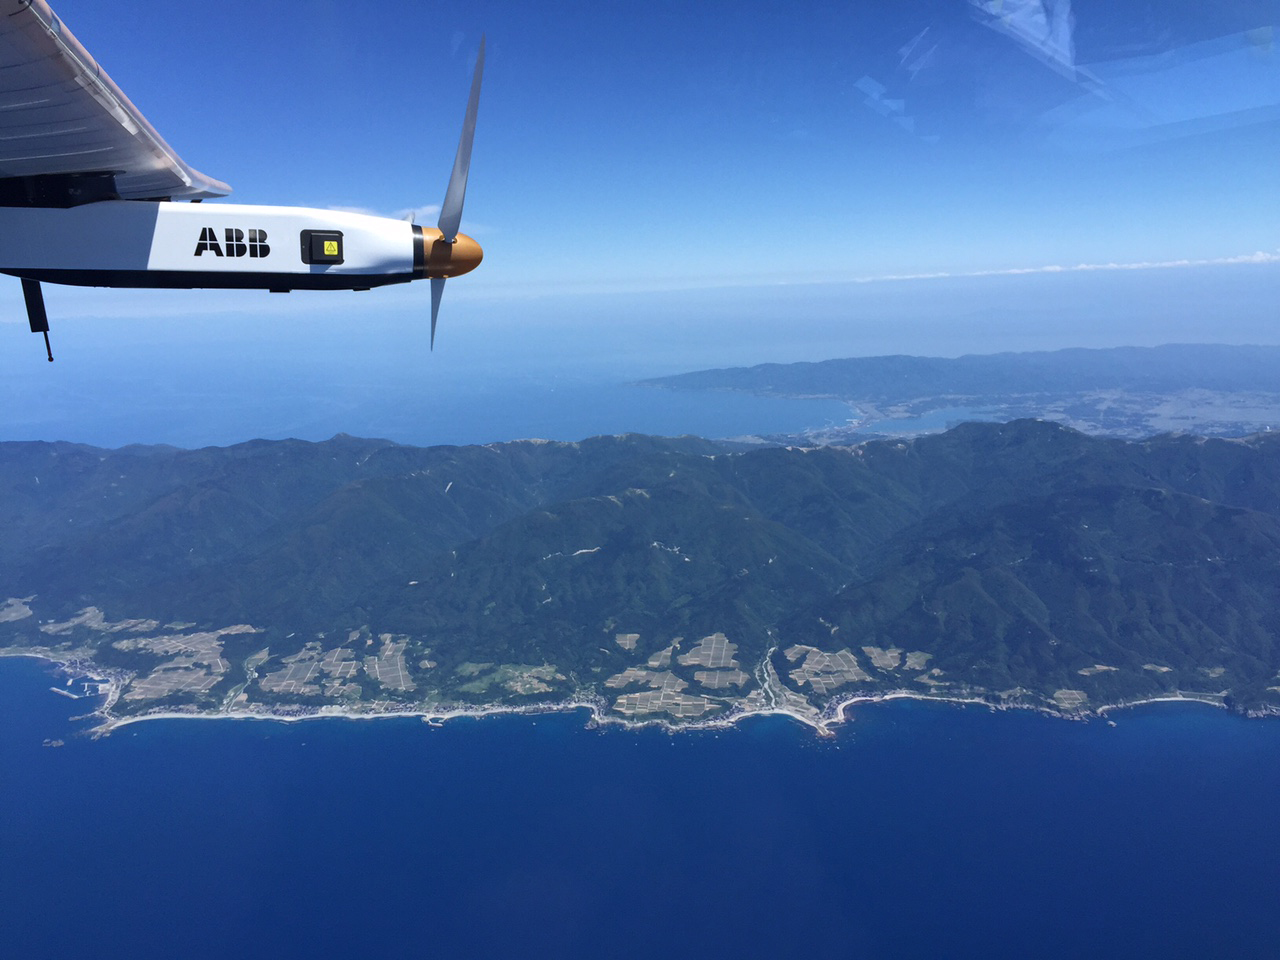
point(837, 712)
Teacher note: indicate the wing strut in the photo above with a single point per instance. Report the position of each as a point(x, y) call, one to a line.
point(39, 320)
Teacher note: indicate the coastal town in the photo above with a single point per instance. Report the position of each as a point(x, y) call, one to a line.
point(685, 685)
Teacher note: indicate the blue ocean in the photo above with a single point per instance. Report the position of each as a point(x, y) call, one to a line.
point(920, 830)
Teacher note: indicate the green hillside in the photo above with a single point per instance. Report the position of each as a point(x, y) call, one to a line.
point(1022, 563)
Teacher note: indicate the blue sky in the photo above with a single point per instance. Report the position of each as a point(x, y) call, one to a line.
point(651, 178)
point(661, 143)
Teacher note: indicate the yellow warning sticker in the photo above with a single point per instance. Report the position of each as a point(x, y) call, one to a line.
point(331, 248)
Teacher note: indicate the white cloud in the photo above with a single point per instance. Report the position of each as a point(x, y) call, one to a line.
point(427, 213)
point(1259, 256)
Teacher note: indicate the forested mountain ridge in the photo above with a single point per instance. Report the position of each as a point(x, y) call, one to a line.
point(1025, 563)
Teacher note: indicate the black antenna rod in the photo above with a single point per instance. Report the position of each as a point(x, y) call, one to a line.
point(36, 315)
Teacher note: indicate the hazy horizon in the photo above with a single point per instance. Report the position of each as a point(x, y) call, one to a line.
point(513, 368)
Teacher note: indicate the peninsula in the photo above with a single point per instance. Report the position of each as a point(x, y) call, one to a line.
point(1132, 392)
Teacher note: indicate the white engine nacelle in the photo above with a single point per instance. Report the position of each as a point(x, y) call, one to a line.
point(117, 243)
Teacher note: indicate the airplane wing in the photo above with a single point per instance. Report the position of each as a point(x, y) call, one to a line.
point(61, 114)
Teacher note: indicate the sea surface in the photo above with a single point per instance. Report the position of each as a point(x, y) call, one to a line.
point(920, 830)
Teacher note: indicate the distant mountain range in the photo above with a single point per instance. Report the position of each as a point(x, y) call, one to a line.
point(1023, 563)
point(1211, 389)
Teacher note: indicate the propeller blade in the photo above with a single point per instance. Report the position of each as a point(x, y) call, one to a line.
point(437, 291)
point(451, 209)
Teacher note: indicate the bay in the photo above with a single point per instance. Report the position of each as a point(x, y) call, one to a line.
point(920, 830)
